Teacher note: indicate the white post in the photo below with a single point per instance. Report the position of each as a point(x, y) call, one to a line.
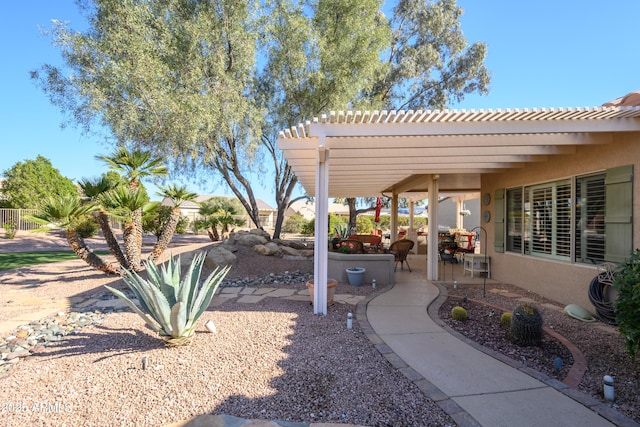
point(321, 230)
point(432, 237)
point(394, 218)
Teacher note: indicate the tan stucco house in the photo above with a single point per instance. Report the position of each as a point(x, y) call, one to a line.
point(558, 190)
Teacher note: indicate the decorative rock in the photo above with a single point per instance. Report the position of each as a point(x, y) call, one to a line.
point(244, 238)
point(22, 333)
point(218, 256)
point(270, 249)
point(211, 327)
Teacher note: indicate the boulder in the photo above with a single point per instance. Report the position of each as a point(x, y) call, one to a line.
point(247, 239)
point(307, 253)
point(290, 251)
point(268, 249)
point(219, 256)
point(296, 244)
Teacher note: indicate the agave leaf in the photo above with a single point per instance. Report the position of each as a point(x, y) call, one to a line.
point(206, 293)
point(192, 280)
point(148, 320)
point(137, 285)
point(178, 319)
point(154, 301)
point(165, 287)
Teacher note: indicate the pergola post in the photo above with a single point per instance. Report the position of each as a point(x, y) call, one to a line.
point(321, 261)
point(432, 236)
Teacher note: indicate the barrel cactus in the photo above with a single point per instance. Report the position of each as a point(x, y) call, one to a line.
point(459, 313)
point(526, 326)
point(171, 304)
point(505, 319)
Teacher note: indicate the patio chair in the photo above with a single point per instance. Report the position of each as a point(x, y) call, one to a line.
point(400, 249)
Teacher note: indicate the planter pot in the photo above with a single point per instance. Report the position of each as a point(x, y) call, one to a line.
point(355, 275)
point(331, 290)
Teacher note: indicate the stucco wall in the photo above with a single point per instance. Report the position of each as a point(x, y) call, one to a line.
point(561, 281)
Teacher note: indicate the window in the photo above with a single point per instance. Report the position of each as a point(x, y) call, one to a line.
point(586, 219)
point(590, 215)
point(540, 219)
point(547, 219)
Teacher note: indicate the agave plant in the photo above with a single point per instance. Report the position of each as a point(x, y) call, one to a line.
point(171, 305)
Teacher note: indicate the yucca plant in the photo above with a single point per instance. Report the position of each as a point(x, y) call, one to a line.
point(169, 304)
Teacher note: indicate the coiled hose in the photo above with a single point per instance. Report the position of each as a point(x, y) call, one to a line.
point(604, 307)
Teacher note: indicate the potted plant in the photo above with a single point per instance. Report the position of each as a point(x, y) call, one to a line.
point(355, 275)
point(331, 289)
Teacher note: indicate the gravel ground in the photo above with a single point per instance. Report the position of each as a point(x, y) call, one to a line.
point(269, 360)
point(601, 344)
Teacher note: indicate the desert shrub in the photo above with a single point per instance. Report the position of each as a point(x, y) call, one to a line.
point(294, 224)
point(364, 224)
point(459, 313)
point(309, 228)
point(526, 326)
point(10, 229)
point(87, 226)
point(627, 305)
point(505, 319)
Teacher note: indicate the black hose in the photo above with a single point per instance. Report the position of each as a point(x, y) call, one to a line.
point(604, 307)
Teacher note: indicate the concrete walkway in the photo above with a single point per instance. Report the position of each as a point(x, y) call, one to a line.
point(471, 386)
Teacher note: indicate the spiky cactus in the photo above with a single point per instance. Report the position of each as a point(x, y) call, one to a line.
point(459, 313)
point(505, 319)
point(526, 326)
point(171, 305)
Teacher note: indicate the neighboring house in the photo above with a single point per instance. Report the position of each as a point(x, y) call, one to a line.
point(190, 210)
point(308, 209)
point(560, 192)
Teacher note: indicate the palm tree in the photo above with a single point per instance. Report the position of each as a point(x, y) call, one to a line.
point(177, 195)
point(93, 190)
point(133, 166)
point(65, 211)
point(123, 203)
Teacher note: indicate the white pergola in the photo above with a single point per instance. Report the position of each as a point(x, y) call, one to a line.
point(410, 153)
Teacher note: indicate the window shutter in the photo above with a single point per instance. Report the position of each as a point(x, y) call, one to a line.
point(619, 213)
point(498, 215)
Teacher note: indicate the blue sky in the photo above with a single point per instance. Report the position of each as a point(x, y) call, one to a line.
point(562, 53)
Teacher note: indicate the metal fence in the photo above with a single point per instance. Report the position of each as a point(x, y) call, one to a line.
point(17, 217)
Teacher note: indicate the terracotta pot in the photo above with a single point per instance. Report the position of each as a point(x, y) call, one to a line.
point(331, 289)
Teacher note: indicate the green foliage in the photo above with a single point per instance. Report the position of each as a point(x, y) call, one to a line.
point(169, 303)
point(33, 180)
point(294, 224)
point(154, 221)
point(526, 326)
point(86, 226)
point(309, 228)
point(343, 231)
point(10, 229)
point(459, 313)
point(364, 224)
point(62, 211)
point(181, 78)
point(627, 305)
point(505, 319)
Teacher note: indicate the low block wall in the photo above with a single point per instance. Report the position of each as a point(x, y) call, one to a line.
point(378, 266)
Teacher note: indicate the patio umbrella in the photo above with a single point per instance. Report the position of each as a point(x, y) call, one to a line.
point(378, 208)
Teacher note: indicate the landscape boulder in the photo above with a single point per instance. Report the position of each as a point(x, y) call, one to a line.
point(219, 256)
point(268, 249)
point(249, 238)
